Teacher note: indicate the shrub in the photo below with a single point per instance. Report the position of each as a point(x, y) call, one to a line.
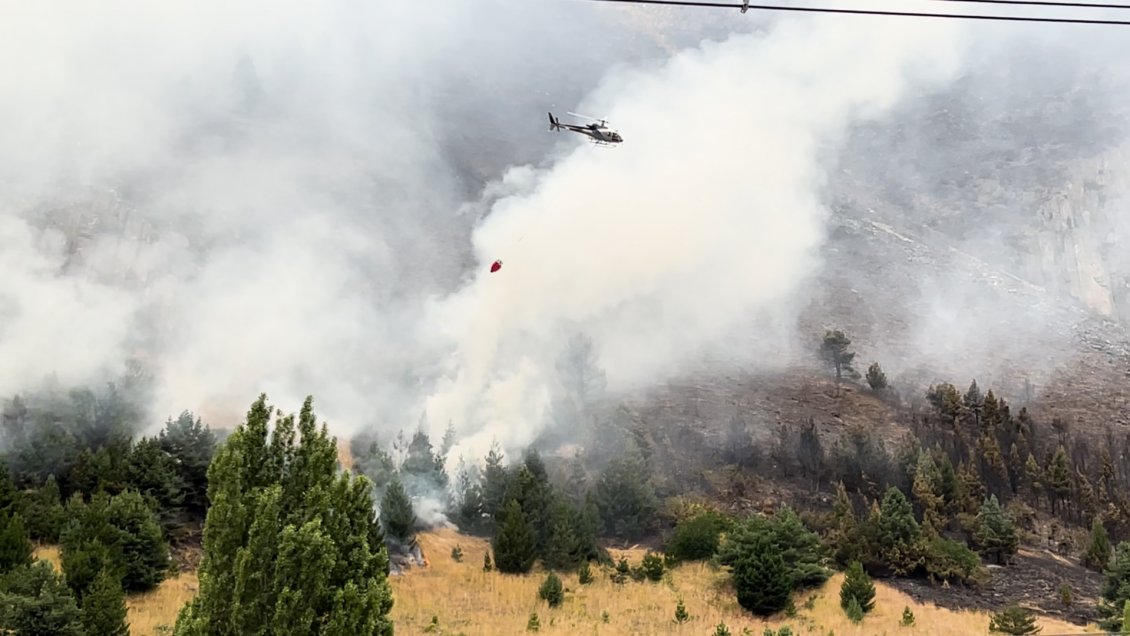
point(857, 586)
point(653, 566)
point(551, 590)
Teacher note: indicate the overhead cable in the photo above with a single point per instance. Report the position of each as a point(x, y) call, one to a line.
point(745, 6)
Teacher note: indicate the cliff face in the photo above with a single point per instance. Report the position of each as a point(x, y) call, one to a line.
point(1079, 243)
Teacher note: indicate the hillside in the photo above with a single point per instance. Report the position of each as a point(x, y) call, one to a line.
point(465, 600)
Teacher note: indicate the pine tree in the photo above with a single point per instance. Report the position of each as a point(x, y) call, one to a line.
point(45, 515)
point(291, 546)
point(584, 575)
point(513, 544)
point(995, 532)
point(1098, 551)
point(876, 379)
point(1035, 477)
point(1115, 589)
point(562, 550)
point(153, 472)
point(857, 586)
point(397, 516)
point(810, 454)
point(15, 548)
point(8, 494)
point(192, 446)
point(1014, 620)
point(1058, 478)
point(119, 533)
point(761, 578)
point(927, 488)
point(104, 607)
point(681, 615)
point(35, 601)
point(652, 566)
point(626, 499)
point(495, 483)
point(897, 532)
point(843, 535)
point(907, 617)
point(834, 351)
point(469, 499)
point(551, 590)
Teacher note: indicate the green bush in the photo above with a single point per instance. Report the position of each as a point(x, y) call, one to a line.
point(697, 538)
point(551, 590)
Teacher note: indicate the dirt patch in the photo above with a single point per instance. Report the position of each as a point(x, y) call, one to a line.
point(1032, 581)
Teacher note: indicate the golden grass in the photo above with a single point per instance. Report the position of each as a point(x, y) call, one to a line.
point(149, 613)
point(467, 600)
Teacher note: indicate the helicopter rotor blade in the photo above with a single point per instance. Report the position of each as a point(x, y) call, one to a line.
point(587, 117)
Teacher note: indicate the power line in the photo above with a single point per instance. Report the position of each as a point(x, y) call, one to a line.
point(1047, 3)
point(962, 16)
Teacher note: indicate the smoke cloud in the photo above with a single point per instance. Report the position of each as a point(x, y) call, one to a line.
point(705, 222)
point(297, 198)
point(259, 196)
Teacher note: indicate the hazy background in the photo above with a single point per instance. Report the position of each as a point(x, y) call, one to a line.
point(303, 199)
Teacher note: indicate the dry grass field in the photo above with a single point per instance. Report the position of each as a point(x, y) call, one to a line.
point(465, 600)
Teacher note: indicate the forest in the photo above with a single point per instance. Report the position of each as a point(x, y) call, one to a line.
point(288, 541)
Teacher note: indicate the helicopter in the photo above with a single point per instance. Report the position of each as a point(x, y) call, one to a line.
point(600, 133)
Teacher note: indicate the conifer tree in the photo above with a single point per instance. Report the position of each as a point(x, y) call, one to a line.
point(681, 615)
point(119, 533)
point(1035, 476)
point(995, 532)
point(1058, 478)
point(897, 532)
point(626, 498)
point(551, 590)
point(927, 488)
point(45, 515)
point(513, 544)
point(761, 578)
point(843, 535)
point(15, 548)
point(810, 454)
point(8, 495)
point(396, 512)
point(35, 601)
point(907, 617)
point(495, 483)
point(562, 549)
point(876, 379)
point(1098, 550)
point(192, 445)
point(104, 607)
point(1115, 590)
point(834, 350)
point(291, 546)
point(857, 586)
point(1014, 620)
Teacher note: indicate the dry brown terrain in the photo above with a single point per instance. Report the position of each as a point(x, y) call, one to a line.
point(465, 600)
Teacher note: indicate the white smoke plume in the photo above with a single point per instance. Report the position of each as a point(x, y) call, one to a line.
point(664, 249)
